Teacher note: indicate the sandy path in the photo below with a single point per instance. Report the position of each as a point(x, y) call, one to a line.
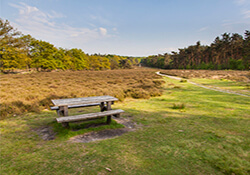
point(215, 89)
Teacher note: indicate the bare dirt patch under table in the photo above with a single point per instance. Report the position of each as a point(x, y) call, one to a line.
point(46, 133)
point(108, 133)
point(100, 135)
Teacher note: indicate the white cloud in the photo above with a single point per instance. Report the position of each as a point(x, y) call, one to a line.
point(103, 31)
point(240, 2)
point(42, 25)
point(202, 29)
point(246, 13)
point(245, 7)
point(55, 15)
point(100, 18)
point(24, 9)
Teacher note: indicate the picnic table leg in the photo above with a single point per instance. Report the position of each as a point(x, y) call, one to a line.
point(109, 108)
point(64, 111)
point(102, 106)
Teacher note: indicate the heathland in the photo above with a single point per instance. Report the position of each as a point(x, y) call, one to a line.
point(33, 92)
point(182, 128)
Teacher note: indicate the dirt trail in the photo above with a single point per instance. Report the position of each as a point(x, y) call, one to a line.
point(215, 89)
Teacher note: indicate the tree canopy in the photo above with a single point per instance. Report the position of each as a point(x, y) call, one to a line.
point(230, 51)
point(18, 51)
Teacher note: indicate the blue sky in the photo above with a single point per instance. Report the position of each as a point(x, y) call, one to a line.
point(127, 27)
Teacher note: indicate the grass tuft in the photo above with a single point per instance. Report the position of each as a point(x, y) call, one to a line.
point(177, 87)
point(183, 80)
point(178, 106)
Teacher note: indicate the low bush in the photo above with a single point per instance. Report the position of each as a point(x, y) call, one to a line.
point(137, 93)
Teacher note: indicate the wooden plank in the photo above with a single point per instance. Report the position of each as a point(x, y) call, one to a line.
point(75, 106)
point(85, 100)
point(88, 116)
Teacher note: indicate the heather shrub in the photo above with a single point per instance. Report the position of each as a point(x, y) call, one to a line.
point(33, 92)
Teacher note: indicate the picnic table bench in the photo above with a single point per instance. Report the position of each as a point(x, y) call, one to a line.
point(105, 102)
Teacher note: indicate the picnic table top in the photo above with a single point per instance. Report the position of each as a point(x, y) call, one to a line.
point(84, 100)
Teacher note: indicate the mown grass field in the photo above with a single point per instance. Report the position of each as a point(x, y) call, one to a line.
point(209, 134)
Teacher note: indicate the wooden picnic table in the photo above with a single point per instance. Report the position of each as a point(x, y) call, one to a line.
point(85, 100)
point(105, 102)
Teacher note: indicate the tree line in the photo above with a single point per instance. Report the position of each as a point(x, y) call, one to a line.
point(230, 51)
point(18, 51)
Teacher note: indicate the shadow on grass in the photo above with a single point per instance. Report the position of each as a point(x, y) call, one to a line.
point(63, 133)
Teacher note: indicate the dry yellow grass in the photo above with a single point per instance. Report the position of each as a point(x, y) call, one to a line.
point(234, 75)
point(33, 92)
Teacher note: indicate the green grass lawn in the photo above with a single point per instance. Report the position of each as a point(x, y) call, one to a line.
point(209, 134)
point(235, 86)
